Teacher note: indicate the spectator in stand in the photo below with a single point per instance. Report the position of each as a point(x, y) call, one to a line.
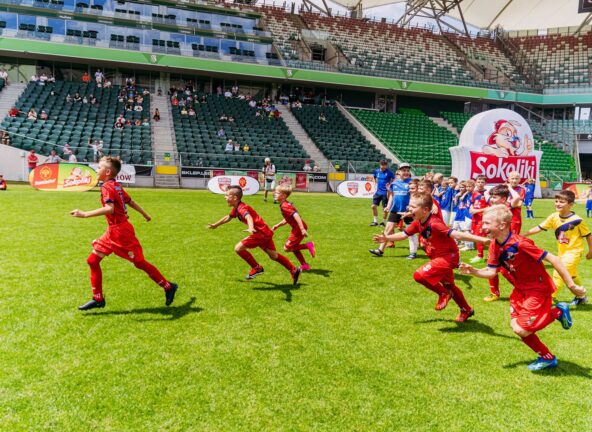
point(32, 160)
point(183, 111)
point(97, 148)
point(138, 108)
point(84, 100)
point(13, 112)
point(237, 147)
point(2, 183)
point(99, 77)
point(159, 92)
point(227, 94)
point(107, 84)
point(43, 79)
point(85, 77)
point(156, 115)
point(72, 157)
point(51, 79)
point(4, 76)
point(145, 122)
point(307, 167)
point(93, 100)
point(77, 97)
point(174, 101)
point(231, 119)
point(277, 114)
point(138, 122)
point(4, 138)
point(32, 114)
point(252, 103)
point(219, 90)
point(316, 168)
point(234, 90)
point(34, 78)
point(204, 99)
point(67, 151)
point(221, 133)
point(322, 117)
point(246, 148)
point(223, 118)
point(191, 112)
point(53, 157)
point(229, 146)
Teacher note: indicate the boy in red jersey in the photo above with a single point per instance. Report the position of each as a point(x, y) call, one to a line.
point(531, 304)
point(2, 183)
point(517, 195)
point(438, 274)
point(478, 206)
point(299, 227)
point(120, 237)
point(501, 194)
point(260, 235)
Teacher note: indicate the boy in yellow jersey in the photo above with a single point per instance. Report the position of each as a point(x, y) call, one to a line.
point(570, 231)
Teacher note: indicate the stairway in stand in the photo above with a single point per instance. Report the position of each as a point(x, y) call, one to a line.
point(8, 97)
point(164, 144)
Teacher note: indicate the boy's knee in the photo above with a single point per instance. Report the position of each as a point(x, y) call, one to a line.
point(272, 254)
point(239, 247)
point(519, 330)
point(287, 249)
point(418, 277)
point(93, 260)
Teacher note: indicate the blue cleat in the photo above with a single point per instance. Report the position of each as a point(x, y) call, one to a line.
point(565, 317)
point(170, 294)
point(540, 364)
point(579, 301)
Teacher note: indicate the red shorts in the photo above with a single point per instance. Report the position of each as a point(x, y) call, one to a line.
point(258, 240)
point(531, 310)
point(294, 239)
point(515, 227)
point(439, 269)
point(477, 229)
point(121, 240)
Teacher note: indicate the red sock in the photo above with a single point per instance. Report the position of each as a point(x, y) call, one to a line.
point(286, 263)
point(553, 315)
point(480, 249)
point(96, 276)
point(535, 344)
point(437, 288)
point(494, 285)
point(299, 256)
point(154, 274)
point(458, 297)
point(246, 255)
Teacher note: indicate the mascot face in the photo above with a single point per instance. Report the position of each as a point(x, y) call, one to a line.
point(505, 136)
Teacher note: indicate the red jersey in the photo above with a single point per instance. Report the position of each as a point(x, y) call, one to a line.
point(439, 214)
point(517, 211)
point(32, 160)
point(479, 202)
point(523, 260)
point(288, 211)
point(242, 210)
point(113, 193)
point(436, 237)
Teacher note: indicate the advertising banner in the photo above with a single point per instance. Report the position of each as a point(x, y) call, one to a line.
point(126, 175)
point(580, 189)
point(195, 172)
point(297, 181)
point(356, 189)
point(495, 143)
point(63, 177)
point(220, 184)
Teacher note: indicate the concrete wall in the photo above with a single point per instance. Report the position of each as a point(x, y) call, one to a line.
point(13, 163)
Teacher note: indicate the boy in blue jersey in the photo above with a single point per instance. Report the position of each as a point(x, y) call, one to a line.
point(529, 197)
point(397, 203)
point(448, 191)
point(383, 177)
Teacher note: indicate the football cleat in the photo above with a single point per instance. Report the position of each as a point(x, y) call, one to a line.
point(170, 294)
point(305, 267)
point(93, 304)
point(311, 249)
point(411, 256)
point(296, 275)
point(579, 301)
point(565, 317)
point(492, 297)
point(540, 364)
point(464, 315)
point(255, 271)
point(443, 300)
point(382, 223)
point(373, 224)
point(376, 252)
point(477, 260)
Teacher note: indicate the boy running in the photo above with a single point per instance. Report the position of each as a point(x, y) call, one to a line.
point(529, 186)
point(478, 206)
point(531, 304)
point(438, 274)
point(260, 235)
point(570, 231)
point(517, 194)
point(299, 228)
point(120, 237)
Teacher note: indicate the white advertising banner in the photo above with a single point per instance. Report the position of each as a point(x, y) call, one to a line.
point(220, 184)
point(126, 175)
point(495, 143)
point(356, 189)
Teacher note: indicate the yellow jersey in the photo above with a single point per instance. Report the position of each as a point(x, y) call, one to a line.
point(569, 232)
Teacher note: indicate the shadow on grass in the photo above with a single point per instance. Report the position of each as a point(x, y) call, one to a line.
point(321, 272)
point(467, 279)
point(564, 368)
point(167, 312)
point(470, 326)
point(285, 288)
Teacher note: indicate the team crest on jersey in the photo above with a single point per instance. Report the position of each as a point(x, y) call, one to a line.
point(427, 232)
point(224, 183)
point(561, 232)
point(352, 188)
point(508, 255)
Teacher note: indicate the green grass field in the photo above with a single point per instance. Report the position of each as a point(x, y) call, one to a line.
point(356, 346)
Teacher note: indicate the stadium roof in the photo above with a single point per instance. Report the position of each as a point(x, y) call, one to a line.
point(488, 14)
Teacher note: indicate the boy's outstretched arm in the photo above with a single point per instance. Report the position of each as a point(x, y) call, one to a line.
point(382, 238)
point(298, 220)
point(578, 291)
point(222, 221)
point(139, 209)
point(485, 273)
point(279, 224)
point(464, 236)
point(532, 231)
point(107, 209)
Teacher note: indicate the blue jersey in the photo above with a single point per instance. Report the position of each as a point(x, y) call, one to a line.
point(400, 191)
point(383, 178)
point(529, 191)
point(446, 199)
point(468, 202)
point(455, 201)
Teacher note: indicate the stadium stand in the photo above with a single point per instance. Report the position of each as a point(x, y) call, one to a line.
point(411, 135)
point(283, 29)
point(337, 138)
point(456, 119)
point(199, 145)
point(76, 122)
point(559, 60)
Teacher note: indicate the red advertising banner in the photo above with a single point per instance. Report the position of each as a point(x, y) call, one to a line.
point(301, 181)
point(254, 174)
point(217, 172)
point(497, 168)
